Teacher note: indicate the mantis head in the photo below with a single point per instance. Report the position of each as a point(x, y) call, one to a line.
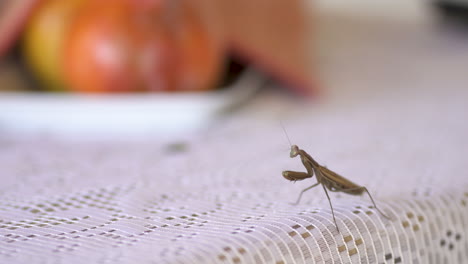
point(294, 151)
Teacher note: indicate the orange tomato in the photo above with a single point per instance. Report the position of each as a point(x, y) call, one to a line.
point(119, 46)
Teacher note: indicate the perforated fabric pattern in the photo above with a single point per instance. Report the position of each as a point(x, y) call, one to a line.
point(222, 198)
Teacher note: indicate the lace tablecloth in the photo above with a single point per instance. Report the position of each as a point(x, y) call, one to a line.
point(221, 198)
point(395, 125)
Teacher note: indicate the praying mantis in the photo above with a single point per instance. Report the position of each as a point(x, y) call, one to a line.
point(330, 180)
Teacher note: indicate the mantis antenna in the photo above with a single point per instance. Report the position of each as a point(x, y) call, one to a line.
point(286, 133)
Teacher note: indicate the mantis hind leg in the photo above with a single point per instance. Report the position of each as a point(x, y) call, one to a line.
point(303, 191)
point(372, 199)
point(364, 189)
point(331, 206)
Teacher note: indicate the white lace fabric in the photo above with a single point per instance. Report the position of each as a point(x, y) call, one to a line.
point(222, 198)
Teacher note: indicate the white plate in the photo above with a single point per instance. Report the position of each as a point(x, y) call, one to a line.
point(156, 113)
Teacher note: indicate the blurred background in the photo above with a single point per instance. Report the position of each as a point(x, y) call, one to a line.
point(153, 66)
point(141, 66)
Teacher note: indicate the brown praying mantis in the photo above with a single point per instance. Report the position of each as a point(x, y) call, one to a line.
point(330, 180)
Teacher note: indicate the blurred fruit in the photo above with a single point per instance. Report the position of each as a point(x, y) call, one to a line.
point(43, 40)
point(121, 46)
point(127, 46)
point(200, 51)
point(108, 46)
